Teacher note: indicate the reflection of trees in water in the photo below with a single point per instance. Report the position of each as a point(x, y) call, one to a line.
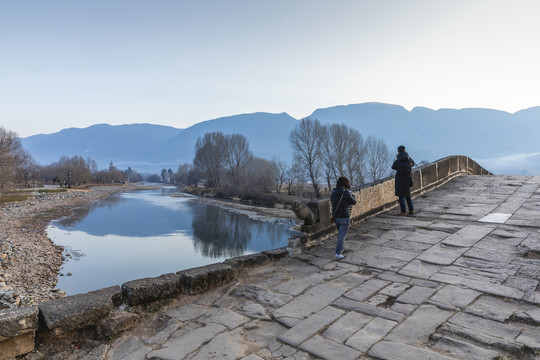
point(82, 212)
point(219, 233)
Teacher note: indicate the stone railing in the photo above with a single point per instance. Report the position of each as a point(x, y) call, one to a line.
point(105, 313)
point(379, 196)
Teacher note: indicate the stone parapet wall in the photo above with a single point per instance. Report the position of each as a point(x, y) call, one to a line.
point(104, 313)
point(375, 197)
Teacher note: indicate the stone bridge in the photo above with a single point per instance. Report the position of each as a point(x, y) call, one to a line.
point(459, 280)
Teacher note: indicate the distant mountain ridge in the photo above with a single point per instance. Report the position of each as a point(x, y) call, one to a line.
point(483, 134)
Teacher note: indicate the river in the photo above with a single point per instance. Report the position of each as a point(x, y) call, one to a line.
point(147, 233)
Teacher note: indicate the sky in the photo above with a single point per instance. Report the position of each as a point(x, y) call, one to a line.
point(66, 63)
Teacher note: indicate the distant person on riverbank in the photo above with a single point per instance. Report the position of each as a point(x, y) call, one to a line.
point(403, 165)
point(342, 200)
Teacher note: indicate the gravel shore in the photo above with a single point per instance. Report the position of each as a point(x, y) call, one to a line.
point(29, 260)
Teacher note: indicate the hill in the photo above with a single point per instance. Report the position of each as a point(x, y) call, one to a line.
point(503, 142)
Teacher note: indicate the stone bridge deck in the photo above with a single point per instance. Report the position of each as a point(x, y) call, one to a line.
point(460, 280)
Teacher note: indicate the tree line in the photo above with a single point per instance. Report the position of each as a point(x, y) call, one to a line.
point(225, 164)
point(322, 153)
point(17, 168)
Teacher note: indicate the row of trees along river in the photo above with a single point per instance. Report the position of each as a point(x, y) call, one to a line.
point(225, 164)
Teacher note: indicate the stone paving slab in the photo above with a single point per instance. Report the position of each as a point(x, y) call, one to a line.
point(326, 349)
point(468, 236)
point(387, 350)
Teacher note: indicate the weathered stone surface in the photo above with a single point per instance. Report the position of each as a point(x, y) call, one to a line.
point(346, 326)
point(225, 317)
point(292, 287)
point(18, 321)
point(128, 348)
point(494, 256)
point(394, 289)
point(486, 326)
point(387, 350)
point(181, 344)
point(117, 323)
point(480, 338)
point(493, 308)
point(416, 329)
point(202, 278)
point(254, 311)
point(77, 311)
point(462, 349)
point(426, 236)
point(522, 284)
point(416, 295)
point(530, 339)
point(373, 332)
point(329, 350)
point(366, 290)
point(17, 345)
point(276, 254)
point(420, 269)
point(309, 303)
point(262, 295)
point(147, 290)
point(442, 254)
point(455, 296)
point(368, 309)
point(483, 286)
point(225, 346)
point(468, 235)
point(247, 260)
point(310, 326)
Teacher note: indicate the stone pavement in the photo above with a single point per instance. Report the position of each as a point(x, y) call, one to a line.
point(460, 280)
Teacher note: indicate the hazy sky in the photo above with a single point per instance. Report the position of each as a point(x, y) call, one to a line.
point(77, 63)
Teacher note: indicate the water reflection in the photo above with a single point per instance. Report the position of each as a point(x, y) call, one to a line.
point(148, 233)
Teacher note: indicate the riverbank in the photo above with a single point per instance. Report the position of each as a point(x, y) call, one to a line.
point(29, 260)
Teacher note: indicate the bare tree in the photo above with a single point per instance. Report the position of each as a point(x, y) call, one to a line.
point(237, 157)
point(12, 155)
point(377, 159)
point(335, 151)
point(281, 173)
point(354, 161)
point(306, 142)
point(210, 157)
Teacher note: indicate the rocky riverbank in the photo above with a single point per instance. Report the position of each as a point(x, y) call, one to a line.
point(29, 260)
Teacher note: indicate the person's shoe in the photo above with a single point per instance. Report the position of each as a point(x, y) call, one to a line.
point(402, 213)
point(340, 256)
point(411, 212)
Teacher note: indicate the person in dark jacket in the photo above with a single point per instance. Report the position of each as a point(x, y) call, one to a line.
point(342, 200)
point(403, 165)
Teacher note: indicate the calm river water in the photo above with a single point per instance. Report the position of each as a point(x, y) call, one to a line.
point(147, 233)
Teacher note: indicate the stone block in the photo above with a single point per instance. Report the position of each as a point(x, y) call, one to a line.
point(18, 345)
point(395, 351)
point(77, 311)
point(276, 254)
point(117, 323)
point(468, 236)
point(148, 290)
point(373, 332)
point(247, 260)
point(346, 326)
point(444, 167)
point(455, 296)
point(416, 295)
point(366, 290)
point(429, 174)
point(368, 309)
point(310, 326)
point(18, 321)
point(327, 349)
point(312, 301)
point(200, 279)
point(462, 349)
point(418, 327)
point(442, 254)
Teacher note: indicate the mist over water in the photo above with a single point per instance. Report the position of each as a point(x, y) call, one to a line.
point(147, 233)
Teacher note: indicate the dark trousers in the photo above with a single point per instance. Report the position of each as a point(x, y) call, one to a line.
point(402, 203)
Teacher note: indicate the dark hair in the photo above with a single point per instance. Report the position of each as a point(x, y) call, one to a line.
point(401, 149)
point(343, 182)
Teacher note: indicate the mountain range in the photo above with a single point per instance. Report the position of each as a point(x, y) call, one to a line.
point(500, 141)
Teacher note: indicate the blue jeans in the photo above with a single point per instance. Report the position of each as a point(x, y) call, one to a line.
point(342, 226)
point(402, 203)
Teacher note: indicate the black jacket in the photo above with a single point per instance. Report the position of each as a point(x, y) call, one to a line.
point(345, 205)
point(403, 165)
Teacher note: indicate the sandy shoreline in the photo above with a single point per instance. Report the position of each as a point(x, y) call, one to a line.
point(30, 261)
